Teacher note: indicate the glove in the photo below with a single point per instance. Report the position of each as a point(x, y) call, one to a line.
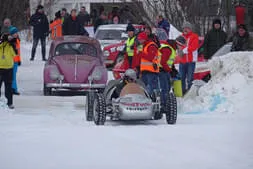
point(173, 72)
point(19, 63)
point(155, 66)
point(132, 47)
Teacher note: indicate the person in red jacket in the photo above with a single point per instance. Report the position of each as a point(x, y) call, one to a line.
point(189, 56)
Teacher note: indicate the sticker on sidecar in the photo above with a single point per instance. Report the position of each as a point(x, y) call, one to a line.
point(137, 104)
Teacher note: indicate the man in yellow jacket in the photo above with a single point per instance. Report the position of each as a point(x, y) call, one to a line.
point(6, 67)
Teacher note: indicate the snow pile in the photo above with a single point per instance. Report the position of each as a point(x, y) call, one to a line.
point(230, 88)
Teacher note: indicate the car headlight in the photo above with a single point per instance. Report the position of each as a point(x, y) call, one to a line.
point(106, 53)
point(54, 73)
point(96, 74)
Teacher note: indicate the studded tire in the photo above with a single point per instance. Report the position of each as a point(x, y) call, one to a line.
point(89, 105)
point(171, 109)
point(99, 109)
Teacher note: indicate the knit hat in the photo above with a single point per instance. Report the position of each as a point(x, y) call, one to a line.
point(13, 30)
point(217, 21)
point(130, 27)
point(142, 36)
point(187, 25)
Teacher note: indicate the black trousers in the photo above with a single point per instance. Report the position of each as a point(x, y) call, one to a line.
point(6, 78)
point(43, 46)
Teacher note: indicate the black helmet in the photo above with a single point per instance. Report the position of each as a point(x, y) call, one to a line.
point(130, 27)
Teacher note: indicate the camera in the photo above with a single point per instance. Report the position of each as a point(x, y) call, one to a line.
point(4, 37)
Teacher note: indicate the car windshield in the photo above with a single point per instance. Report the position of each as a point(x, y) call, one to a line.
point(223, 50)
point(111, 35)
point(76, 48)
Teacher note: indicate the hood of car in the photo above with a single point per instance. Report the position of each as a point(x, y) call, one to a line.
point(76, 68)
point(108, 42)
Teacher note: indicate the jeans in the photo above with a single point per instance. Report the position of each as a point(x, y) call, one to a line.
point(186, 71)
point(150, 80)
point(6, 77)
point(164, 85)
point(43, 46)
point(14, 77)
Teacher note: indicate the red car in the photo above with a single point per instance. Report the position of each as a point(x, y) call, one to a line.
point(202, 71)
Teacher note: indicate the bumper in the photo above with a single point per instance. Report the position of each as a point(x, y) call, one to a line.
point(74, 85)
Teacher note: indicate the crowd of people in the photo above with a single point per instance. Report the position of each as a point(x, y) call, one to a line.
point(152, 60)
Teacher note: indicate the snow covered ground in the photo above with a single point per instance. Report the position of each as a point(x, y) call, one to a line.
point(214, 130)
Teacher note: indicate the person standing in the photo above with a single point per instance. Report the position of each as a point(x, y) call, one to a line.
point(83, 17)
point(40, 25)
point(189, 56)
point(102, 20)
point(149, 63)
point(6, 67)
point(71, 26)
point(56, 26)
point(214, 39)
point(164, 24)
point(167, 56)
point(64, 14)
point(6, 25)
point(241, 39)
point(15, 42)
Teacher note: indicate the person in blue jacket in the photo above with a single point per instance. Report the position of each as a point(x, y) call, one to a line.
point(164, 24)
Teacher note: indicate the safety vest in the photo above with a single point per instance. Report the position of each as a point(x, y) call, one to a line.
point(17, 58)
point(56, 28)
point(147, 65)
point(129, 44)
point(172, 55)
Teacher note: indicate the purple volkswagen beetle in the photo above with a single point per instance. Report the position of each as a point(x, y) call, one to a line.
point(74, 63)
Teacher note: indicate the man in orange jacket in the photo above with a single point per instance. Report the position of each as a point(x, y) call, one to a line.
point(149, 63)
point(189, 56)
point(56, 26)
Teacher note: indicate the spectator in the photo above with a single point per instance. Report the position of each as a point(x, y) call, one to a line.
point(93, 16)
point(115, 19)
point(241, 39)
point(214, 39)
point(6, 25)
point(100, 21)
point(6, 67)
point(162, 23)
point(40, 25)
point(83, 17)
point(71, 26)
point(64, 14)
point(189, 56)
point(56, 26)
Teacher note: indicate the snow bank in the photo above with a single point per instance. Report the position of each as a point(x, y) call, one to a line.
point(229, 90)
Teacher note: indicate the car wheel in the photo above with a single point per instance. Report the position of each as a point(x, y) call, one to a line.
point(47, 91)
point(99, 109)
point(89, 105)
point(171, 109)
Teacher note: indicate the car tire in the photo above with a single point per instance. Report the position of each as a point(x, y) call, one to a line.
point(47, 91)
point(99, 109)
point(171, 109)
point(89, 105)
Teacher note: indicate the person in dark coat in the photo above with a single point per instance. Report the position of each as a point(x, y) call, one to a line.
point(83, 17)
point(71, 26)
point(241, 39)
point(164, 24)
point(100, 21)
point(40, 25)
point(214, 39)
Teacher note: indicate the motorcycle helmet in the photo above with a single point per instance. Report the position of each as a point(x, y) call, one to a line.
point(130, 75)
